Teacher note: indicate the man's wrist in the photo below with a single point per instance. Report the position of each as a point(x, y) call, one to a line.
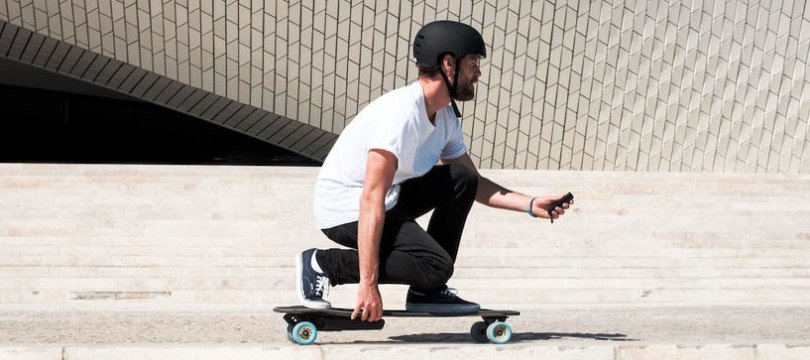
point(530, 206)
point(368, 282)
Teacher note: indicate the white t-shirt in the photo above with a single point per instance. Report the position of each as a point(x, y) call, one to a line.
point(396, 122)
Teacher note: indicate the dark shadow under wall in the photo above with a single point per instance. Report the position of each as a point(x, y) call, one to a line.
point(38, 125)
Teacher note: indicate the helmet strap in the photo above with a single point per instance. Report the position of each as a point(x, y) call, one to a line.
point(451, 89)
point(455, 108)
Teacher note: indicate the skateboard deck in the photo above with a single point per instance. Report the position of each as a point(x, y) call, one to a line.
point(303, 324)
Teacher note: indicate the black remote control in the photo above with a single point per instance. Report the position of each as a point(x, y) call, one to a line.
point(567, 198)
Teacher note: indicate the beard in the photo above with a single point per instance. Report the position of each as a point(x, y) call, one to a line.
point(465, 90)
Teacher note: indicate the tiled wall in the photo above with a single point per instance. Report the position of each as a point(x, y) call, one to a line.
point(624, 85)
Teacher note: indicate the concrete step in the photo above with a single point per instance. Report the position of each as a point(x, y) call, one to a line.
point(673, 264)
point(398, 351)
point(240, 300)
point(522, 283)
point(462, 272)
point(543, 249)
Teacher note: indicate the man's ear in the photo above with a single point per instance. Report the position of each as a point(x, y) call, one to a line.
point(448, 65)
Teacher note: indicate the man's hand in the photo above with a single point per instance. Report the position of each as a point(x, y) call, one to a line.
point(543, 207)
point(369, 303)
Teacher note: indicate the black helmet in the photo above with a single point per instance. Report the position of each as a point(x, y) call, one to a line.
point(438, 38)
point(441, 37)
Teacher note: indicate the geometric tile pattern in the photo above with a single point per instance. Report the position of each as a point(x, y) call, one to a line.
point(711, 85)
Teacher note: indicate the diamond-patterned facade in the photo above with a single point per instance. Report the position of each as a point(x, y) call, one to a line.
point(605, 85)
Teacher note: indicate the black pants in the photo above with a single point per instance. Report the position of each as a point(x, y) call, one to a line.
point(409, 254)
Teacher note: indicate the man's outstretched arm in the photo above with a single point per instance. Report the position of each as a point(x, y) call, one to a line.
point(494, 195)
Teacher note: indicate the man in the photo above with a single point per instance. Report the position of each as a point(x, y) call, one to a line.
point(381, 175)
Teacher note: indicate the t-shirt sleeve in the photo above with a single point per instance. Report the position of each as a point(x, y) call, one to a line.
point(455, 146)
point(390, 134)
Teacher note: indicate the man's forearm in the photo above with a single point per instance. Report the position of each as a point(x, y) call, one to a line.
point(372, 217)
point(489, 193)
point(494, 195)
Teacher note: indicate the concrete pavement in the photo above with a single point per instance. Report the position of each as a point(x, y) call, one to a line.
point(753, 332)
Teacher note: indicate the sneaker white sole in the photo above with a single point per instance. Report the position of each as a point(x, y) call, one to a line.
point(312, 304)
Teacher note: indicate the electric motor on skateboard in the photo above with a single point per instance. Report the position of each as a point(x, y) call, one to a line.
point(303, 324)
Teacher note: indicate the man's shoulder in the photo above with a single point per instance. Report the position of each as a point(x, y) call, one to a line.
point(398, 103)
point(404, 96)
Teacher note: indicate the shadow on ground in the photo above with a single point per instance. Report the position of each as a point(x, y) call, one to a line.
point(517, 337)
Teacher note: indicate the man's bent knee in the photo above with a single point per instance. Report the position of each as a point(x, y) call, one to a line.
point(437, 276)
point(466, 179)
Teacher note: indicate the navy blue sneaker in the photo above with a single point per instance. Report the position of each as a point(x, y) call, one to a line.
point(311, 284)
point(444, 301)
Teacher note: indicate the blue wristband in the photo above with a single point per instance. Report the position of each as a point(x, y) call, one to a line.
point(529, 208)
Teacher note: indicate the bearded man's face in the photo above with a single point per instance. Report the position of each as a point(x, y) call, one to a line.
point(467, 78)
